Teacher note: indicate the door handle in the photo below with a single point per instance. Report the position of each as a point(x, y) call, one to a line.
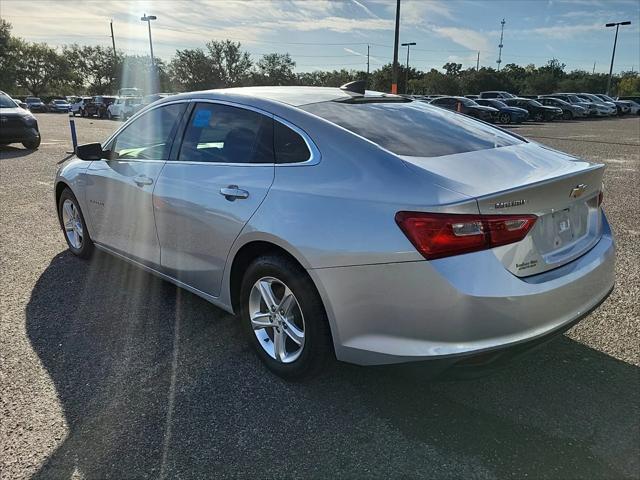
point(141, 180)
point(232, 192)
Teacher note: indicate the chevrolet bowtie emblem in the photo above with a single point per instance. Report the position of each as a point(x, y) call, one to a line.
point(578, 190)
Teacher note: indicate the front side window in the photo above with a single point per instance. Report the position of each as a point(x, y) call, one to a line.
point(219, 133)
point(149, 136)
point(413, 129)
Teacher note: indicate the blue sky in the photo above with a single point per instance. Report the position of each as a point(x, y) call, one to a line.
point(324, 34)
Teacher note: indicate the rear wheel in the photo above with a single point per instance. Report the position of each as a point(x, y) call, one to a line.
point(504, 118)
point(567, 115)
point(284, 318)
point(73, 225)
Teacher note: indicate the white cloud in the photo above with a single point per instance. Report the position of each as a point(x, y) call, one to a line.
point(471, 39)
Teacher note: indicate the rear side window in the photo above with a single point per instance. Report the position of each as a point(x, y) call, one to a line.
point(413, 128)
point(289, 146)
point(219, 133)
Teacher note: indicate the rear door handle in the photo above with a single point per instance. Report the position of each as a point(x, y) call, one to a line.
point(232, 192)
point(141, 180)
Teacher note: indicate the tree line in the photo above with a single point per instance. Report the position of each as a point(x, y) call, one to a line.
point(28, 68)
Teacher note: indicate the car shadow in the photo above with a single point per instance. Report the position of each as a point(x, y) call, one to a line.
point(7, 152)
point(154, 382)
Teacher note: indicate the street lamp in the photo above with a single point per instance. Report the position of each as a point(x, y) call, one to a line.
point(615, 40)
point(408, 45)
point(148, 18)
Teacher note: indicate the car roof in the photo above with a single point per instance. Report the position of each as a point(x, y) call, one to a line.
point(293, 96)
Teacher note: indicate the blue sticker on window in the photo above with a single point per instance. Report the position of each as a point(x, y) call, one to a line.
point(201, 118)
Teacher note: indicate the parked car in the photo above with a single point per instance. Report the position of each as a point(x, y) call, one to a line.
point(634, 107)
point(592, 108)
point(123, 107)
point(537, 111)
point(569, 112)
point(34, 104)
point(473, 97)
point(369, 228)
point(612, 109)
point(497, 94)
point(58, 106)
point(506, 114)
point(149, 99)
point(467, 106)
point(622, 106)
point(17, 125)
point(97, 106)
point(77, 108)
point(20, 103)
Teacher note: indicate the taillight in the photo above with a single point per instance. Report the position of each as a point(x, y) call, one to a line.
point(437, 235)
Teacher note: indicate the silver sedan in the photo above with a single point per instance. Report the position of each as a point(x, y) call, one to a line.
point(339, 223)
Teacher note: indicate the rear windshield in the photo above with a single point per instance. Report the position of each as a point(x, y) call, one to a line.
point(414, 128)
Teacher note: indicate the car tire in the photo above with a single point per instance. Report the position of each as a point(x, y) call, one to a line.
point(567, 115)
point(538, 117)
point(504, 118)
point(31, 144)
point(302, 318)
point(73, 225)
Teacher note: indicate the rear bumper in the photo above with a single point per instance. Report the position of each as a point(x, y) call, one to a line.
point(456, 307)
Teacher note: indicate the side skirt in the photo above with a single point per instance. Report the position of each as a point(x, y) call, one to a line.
point(209, 298)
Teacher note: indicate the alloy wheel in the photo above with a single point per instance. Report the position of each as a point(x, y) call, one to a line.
point(276, 319)
point(505, 118)
point(72, 224)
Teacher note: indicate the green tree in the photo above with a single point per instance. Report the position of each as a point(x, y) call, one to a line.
point(231, 67)
point(39, 69)
point(192, 69)
point(275, 69)
point(629, 84)
point(452, 68)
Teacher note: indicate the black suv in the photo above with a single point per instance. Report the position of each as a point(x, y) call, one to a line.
point(468, 107)
point(17, 125)
point(97, 106)
point(537, 111)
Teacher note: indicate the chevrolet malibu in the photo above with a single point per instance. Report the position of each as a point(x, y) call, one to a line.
point(339, 223)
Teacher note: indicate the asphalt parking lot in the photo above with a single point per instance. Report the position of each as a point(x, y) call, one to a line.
point(109, 372)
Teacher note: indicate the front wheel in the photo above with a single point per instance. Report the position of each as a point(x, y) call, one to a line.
point(504, 118)
point(538, 117)
point(284, 318)
point(567, 115)
point(32, 144)
point(73, 225)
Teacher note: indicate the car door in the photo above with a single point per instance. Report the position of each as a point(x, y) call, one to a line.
point(204, 197)
point(119, 191)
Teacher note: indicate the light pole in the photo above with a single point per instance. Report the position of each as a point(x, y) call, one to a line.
point(613, 54)
point(406, 81)
point(148, 18)
point(394, 67)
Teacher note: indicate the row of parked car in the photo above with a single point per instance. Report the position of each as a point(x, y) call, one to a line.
point(101, 106)
point(112, 107)
point(504, 107)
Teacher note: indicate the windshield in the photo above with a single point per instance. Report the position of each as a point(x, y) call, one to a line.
point(535, 103)
point(33, 100)
point(60, 102)
point(6, 102)
point(414, 128)
point(607, 98)
point(594, 98)
point(498, 104)
point(575, 99)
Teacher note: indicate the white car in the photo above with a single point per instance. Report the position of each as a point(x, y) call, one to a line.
point(77, 107)
point(123, 107)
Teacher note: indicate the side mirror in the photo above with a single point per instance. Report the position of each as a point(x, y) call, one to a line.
point(91, 151)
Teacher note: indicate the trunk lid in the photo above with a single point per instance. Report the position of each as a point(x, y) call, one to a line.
point(531, 179)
